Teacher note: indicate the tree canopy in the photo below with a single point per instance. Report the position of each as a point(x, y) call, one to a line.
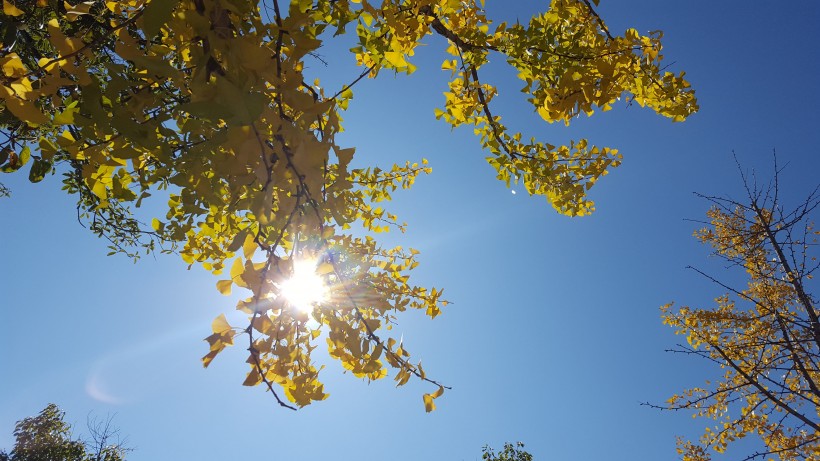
point(209, 104)
point(765, 338)
point(47, 437)
point(510, 452)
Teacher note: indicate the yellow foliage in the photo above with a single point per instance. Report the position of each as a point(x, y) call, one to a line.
point(213, 101)
point(765, 338)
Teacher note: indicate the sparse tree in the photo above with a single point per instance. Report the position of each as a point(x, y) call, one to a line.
point(510, 452)
point(104, 442)
point(765, 338)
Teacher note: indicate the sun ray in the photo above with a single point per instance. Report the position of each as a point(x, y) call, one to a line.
point(305, 288)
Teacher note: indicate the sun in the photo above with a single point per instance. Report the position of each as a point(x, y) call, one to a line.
point(305, 288)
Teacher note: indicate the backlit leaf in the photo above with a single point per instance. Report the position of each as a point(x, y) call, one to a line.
point(39, 169)
point(220, 325)
point(224, 287)
point(10, 10)
point(157, 13)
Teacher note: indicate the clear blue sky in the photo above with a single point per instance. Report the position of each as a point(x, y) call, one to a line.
point(554, 337)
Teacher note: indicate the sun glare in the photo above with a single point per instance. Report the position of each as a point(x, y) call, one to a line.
point(305, 288)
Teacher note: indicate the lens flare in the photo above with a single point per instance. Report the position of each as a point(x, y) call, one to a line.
point(305, 288)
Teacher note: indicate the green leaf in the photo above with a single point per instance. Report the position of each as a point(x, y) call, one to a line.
point(39, 169)
point(206, 109)
point(238, 240)
point(25, 155)
point(157, 13)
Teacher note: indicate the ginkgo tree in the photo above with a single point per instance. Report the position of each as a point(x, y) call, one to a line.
point(210, 105)
point(765, 338)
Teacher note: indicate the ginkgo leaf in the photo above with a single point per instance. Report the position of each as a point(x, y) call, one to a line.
point(39, 169)
point(438, 393)
point(253, 378)
point(249, 247)
point(75, 11)
point(428, 399)
point(324, 269)
point(220, 325)
point(156, 14)
point(237, 269)
point(25, 111)
point(208, 358)
point(66, 117)
point(395, 58)
point(428, 403)
point(224, 287)
point(10, 10)
point(12, 65)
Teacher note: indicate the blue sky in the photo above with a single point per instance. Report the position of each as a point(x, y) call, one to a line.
point(554, 335)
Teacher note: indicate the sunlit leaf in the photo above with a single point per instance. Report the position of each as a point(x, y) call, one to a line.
point(10, 10)
point(224, 287)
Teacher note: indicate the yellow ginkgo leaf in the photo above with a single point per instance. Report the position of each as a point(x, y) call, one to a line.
point(395, 58)
point(11, 10)
point(24, 110)
point(253, 378)
point(12, 65)
point(237, 268)
point(324, 269)
point(428, 399)
point(428, 403)
point(224, 287)
point(220, 325)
